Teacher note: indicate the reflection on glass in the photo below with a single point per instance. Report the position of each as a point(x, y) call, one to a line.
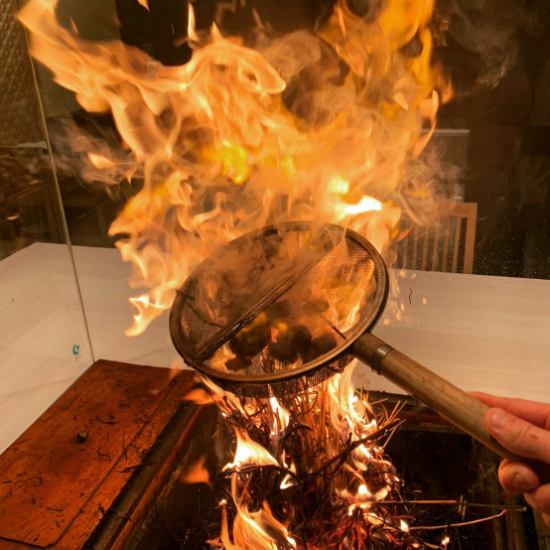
point(491, 137)
point(43, 341)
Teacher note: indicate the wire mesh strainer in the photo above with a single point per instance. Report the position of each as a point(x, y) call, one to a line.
point(274, 311)
point(285, 307)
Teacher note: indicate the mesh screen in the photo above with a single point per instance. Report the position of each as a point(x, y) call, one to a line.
point(279, 304)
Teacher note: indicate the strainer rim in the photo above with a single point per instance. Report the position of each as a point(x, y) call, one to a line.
point(379, 301)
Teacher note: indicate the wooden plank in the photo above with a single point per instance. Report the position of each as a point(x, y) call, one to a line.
point(404, 246)
point(456, 245)
point(435, 251)
point(470, 237)
point(95, 508)
point(447, 226)
point(425, 245)
point(415, 248)
point(51, 481)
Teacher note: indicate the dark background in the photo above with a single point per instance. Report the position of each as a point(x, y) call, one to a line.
point(507, 168)
point(496, 52)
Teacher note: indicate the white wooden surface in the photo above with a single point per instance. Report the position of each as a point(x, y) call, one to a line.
point(40, 322)
point(486, 333)
point(103, 278)
point(482, 333)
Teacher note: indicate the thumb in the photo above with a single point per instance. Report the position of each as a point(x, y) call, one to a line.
point(517, 435)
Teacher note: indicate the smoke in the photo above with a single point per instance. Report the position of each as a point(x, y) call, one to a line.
point(487, 31)
point(93, 154)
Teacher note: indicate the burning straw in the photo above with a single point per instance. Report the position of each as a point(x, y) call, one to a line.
point(307, 470)
point(310, 472)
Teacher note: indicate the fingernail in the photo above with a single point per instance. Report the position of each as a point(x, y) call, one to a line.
point(499, 418)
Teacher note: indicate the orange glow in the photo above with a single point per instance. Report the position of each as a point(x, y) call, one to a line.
point(249, 453)
point(220, 152)
point(196, 473)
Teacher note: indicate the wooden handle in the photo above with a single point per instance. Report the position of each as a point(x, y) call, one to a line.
point(459, 408)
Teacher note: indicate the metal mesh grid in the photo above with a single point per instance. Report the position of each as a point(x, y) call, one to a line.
point(19, 115)
point(273, 312)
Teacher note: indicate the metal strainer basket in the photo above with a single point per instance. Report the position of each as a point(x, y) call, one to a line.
point(285, 307)
point(274, 311)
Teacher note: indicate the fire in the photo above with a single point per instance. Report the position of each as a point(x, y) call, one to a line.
point(196, 473)
point(281, 417)
point(249, 453)
point(327, 125)
point(256, 531)
point(100, 161)
point(225, 145)
point(331, 416)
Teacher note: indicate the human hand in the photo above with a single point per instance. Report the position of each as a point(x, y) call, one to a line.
point(523, 427)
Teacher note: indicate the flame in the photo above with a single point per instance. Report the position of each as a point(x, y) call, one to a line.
point(281, 417)
point(196, 473)
point(258, 529)
point(287, 482)
point(249, 453)
point(366, 204)
point(100, 161)
point(255, 531)
point(191, 31)
point(199, 397)
point(235, 139)
point(221, 149)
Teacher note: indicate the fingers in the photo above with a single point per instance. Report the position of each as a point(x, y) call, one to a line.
point(540, 499)
point(517, 435)
point(523, 427)
point(517, 478)
point(537, 413)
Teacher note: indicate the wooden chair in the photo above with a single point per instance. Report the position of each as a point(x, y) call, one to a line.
point(445, 246)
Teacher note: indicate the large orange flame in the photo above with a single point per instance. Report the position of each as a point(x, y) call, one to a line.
point(225, 146)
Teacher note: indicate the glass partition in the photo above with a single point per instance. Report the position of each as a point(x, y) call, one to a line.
point(43, 338)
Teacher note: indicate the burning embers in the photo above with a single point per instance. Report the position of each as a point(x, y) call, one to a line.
point(309, 471)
